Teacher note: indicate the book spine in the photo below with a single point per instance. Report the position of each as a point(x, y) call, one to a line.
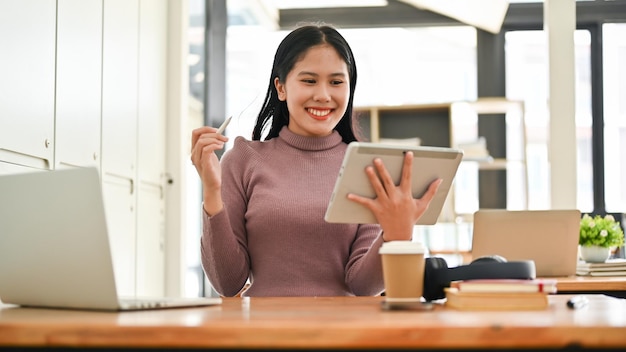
point(540, 287)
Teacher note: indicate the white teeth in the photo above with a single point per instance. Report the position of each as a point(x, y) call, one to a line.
point(319, 112)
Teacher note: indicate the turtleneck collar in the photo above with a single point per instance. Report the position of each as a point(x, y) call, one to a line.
point(310, 143)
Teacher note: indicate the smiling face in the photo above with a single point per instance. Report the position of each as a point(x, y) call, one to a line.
point(317, 91)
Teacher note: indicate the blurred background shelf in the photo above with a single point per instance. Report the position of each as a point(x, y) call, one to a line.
point(457, 125)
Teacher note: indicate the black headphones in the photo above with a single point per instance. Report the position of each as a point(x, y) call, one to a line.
point(437, 275)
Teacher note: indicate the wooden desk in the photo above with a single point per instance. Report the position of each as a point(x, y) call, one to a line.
point(322, 323)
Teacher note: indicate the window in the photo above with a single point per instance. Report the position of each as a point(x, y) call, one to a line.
point(526, 80)
point(614, 117)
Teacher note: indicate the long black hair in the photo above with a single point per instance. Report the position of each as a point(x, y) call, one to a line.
point(293, 47)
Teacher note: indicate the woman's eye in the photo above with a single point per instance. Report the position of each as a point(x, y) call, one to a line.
point(336, 82)
point(309, 81)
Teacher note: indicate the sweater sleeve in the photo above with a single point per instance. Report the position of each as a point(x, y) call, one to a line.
point(224, 253)
point(364, 273)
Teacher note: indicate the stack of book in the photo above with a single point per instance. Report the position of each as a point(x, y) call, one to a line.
point(500, 294)
point(612, 267)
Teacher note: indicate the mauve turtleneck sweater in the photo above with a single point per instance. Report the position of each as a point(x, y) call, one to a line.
point(272, 227)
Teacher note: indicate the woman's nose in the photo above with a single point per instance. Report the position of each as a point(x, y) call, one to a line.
point(322, 94)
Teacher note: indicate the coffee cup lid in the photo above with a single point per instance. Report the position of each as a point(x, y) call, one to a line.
point(402, 247)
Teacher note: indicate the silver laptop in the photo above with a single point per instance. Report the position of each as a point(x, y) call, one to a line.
point(548, 237)
point(54, 245)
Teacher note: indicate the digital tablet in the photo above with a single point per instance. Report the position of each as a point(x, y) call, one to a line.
point(429, 164)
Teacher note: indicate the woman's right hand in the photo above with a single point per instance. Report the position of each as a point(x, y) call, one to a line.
point(204, 142)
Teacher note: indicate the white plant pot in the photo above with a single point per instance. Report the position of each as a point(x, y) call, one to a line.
point(595, 254)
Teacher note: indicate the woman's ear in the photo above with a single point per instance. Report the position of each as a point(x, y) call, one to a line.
point(280, 89)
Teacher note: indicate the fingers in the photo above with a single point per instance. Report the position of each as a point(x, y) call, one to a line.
point(383, 178)
point(205, 139)
point(203, 136)
point(375, 180)
point(206, 132)
point(432, 190)
point(407, 167)
point(384, 186)
point(395, 207)
point(367, 202)
point(195, 134)
point(202, 153)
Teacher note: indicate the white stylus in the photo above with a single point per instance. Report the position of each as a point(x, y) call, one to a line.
point(224, 124)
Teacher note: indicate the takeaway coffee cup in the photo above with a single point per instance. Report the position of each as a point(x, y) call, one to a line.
point(403, 270)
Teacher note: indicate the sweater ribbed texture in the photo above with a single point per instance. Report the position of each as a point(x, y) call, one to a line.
point(272, 227)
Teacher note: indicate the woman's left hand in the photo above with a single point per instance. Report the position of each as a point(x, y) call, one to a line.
point(394, 206)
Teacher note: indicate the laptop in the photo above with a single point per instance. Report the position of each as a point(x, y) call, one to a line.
point(54, 245)
point(548, 237)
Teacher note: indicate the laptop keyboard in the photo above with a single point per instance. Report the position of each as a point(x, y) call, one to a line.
point(163, 302)
point(134, 303)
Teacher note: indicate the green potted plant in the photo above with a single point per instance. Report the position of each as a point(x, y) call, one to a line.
point(598, 237)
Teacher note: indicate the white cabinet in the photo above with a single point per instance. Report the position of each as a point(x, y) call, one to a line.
point(151, 147)
point(10, 168)
point(119, 88)
point(119, 134)
point(152, 98)
point(119, 204)
point(133, 139)
point(27, 67)
point(78, 83)
point(150, 241)
point(105, 107)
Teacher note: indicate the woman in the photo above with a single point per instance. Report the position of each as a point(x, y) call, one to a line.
point(264, 202)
